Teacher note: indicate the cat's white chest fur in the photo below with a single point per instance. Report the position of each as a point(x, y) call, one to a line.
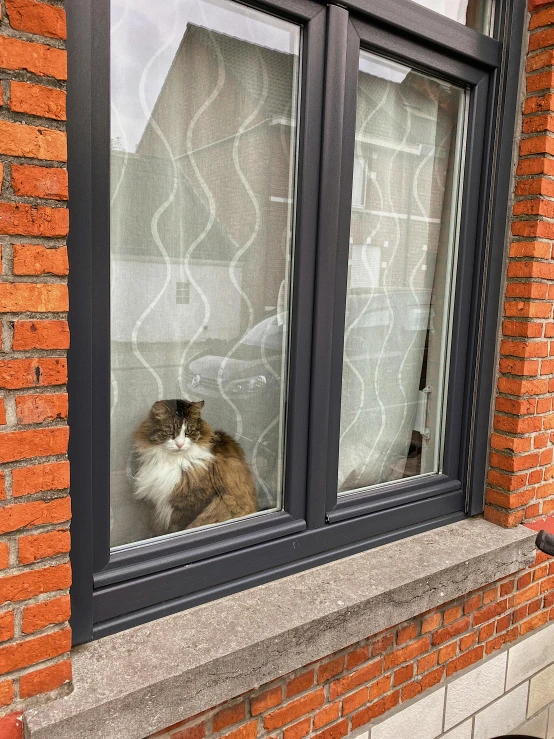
point(160, 471)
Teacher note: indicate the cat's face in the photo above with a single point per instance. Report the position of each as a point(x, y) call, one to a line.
point(174, 424)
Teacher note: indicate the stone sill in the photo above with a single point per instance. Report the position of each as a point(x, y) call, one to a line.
point(137, 682)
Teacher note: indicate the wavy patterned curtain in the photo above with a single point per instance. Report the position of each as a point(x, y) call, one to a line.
point(401, 266)
point(202, 183)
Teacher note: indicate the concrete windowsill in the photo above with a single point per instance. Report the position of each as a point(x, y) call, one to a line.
point(140, 681)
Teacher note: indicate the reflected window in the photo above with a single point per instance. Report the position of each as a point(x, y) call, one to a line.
point(203, 132)
point(401, 272)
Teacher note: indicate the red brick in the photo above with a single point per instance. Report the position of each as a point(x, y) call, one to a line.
point(20, 373)
point(33, 443)
point(334, 732)
point(39, 182)
point(406, 633)
point(39, 59)
point(430, 623)
point(35, 142)
point(355, 700)
point(248, 731)
point(40, 408)
point(466, 642)
point(543, 17)
point(36, 298)
point(432, 678)
point(489, 612)
point(326, 715)
point(36, 17)
point(501, 518)
point(300, 684)
point(4, 555)
point(7, 620)
point(11, 726)
point(427, 662)
point(403, 674)
point(294, 709)
point(45, 680)
point(27, 220)
point(35, 513)
point(486, 631)
point(539, 619)
point(447, 652)
point(190, 732)
point(375, 709)
point(410, 691)
point(535, 4)
point(39, 478)
point(266, 700)
point(330, 669)
point(35, 547)
point(18, 655)
point(465, 660)
point(31, 259)
point(2, 412)
point(356, 657)
point(379, 687)
point(228, 716)
point(38, 616)
point(298, 730)
point(448, 632)
point(526, 595)
point(451, 614)
point(6, 697)
point(382, 644)
point(356, 678)
point(407, 653)
point(46, 102)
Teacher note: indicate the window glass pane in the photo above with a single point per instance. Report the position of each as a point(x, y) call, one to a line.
point(203, 137)
point(401, 271)
point(476, 14)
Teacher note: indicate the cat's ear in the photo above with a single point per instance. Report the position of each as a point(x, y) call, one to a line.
point(196, 407)
point(158, 410)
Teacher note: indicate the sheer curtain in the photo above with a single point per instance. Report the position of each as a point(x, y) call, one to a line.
point(401, 268)
point(202, 177)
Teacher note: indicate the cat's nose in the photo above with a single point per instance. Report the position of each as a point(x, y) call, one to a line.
point(180, 444)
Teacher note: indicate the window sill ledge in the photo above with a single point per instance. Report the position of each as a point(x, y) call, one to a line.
point(140, 681)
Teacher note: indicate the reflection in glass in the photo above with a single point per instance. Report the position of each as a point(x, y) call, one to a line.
point(204, 100)
point(476, 14)
point(401, 271)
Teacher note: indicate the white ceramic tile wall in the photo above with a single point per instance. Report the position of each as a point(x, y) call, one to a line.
point(511, 692)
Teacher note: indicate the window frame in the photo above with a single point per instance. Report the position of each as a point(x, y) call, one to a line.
point(129, 586)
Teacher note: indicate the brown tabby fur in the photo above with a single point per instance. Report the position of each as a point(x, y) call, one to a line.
point(220, 490)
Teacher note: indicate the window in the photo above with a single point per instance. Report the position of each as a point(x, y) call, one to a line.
point(287, 220)
point(182, 293)
point(204, 99)
point(409, 131)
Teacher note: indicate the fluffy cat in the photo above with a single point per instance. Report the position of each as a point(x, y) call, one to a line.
point(190, 474)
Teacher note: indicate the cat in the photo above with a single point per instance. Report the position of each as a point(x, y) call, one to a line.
point(190, 474)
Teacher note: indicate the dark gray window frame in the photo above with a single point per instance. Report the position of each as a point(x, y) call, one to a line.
point(114, 591)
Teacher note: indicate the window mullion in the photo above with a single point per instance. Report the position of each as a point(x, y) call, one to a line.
point(339, 121)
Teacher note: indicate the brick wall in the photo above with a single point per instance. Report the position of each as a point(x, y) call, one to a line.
point(329, 699)
point(521, 474)
point(34, 477)
point(338, 695)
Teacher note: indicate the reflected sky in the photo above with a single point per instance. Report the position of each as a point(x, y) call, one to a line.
point(145, 36)
point(454, 9)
